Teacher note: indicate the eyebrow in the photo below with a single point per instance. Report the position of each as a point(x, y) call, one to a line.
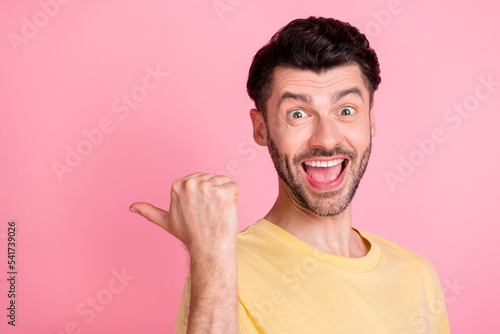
point(353, 90)
point(307, 98)
point(293, 96)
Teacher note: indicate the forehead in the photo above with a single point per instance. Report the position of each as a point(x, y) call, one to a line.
point(287, 80)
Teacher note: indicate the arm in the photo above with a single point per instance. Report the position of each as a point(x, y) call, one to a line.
point(213, 306)
point(203, 216)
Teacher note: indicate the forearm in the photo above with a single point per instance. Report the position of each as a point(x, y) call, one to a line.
point(204, 217)
point(214, 293)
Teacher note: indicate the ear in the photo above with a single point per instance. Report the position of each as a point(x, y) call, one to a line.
point(372, 121)
point(259, 127)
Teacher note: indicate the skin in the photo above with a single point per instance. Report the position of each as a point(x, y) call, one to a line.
point(203, 216)
point(320, 128)
point(203, 212)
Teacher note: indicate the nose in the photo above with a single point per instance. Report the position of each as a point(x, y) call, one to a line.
point(325, 134)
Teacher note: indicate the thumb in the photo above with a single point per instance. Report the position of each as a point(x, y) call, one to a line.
point(150, 212)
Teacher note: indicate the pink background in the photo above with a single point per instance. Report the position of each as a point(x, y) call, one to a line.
point(66, 75)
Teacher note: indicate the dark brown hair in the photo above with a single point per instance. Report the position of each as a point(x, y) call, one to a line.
point(317, 44)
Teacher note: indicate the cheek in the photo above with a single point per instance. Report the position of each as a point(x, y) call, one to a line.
point(358, 139)
point(294, 142)
point(287, 140)
point(285, 145)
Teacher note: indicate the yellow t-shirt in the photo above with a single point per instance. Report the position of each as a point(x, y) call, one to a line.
point(287, 286)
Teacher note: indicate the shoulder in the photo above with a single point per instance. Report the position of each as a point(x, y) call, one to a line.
point(392, 248)
point(263, 239)
point(398, 256)
point(258, 234)
point(254, 240)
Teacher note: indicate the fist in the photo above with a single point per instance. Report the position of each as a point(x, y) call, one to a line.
point(202, 212)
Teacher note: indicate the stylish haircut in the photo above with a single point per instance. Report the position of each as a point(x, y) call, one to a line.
point(317, 44)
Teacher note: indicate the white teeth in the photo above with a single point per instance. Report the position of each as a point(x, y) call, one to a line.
point(323, 163)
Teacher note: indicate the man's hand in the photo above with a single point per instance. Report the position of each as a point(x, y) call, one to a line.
point(203, 216)
point(202, 213)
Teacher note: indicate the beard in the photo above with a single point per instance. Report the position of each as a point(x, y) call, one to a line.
point(324, 204)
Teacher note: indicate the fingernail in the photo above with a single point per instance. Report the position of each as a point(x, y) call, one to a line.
point(134, 210)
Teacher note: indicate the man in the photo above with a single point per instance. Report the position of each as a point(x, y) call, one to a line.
point(303, 268)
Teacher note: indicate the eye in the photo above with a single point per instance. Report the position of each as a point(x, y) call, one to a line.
point(297, 113)
point(347, 111)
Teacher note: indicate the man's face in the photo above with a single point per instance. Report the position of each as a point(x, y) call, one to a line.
point(318, 132)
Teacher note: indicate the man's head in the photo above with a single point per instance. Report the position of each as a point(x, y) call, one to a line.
point(316, 44)
point(313, 86)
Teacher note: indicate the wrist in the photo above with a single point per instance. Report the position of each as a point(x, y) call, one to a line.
point(214, 252)
point(222, 255)
point(215, 269)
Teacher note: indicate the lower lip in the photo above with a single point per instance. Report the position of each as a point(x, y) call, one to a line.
point(327, 186)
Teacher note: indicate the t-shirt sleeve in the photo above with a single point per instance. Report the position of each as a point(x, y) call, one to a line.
point(183, 313)
point(246, 325)
point(441, 325)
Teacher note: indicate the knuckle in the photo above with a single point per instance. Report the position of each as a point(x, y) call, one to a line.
point(220, 192)
point(205, 186)
point(176, 185)
point(191, 183)
point(224, 178)
point(233, 186)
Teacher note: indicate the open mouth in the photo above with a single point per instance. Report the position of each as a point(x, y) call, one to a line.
point(325, 171)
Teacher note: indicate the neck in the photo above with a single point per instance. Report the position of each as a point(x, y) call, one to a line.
point(332, 234)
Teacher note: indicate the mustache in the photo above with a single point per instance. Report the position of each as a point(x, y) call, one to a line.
point(317, 152)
